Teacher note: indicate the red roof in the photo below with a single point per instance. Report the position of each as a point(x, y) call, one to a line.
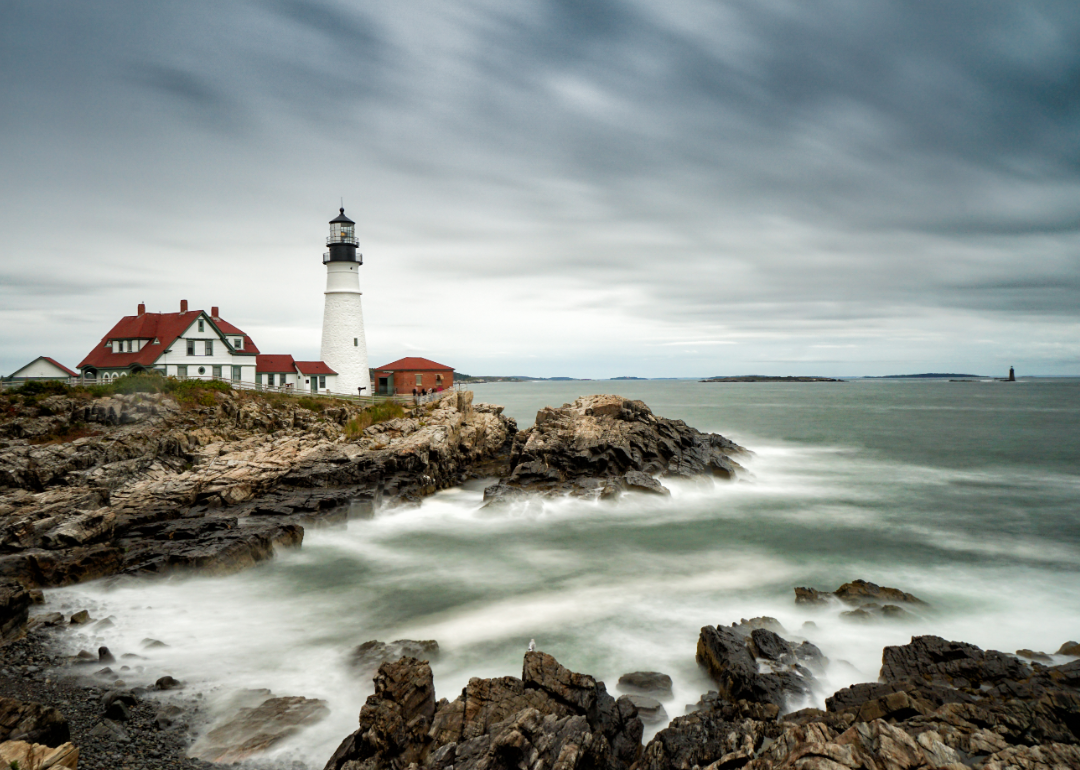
point(415, 365)
point(314, 367)
point(274, 363)
point(229, 330)
point(163, 327)
point(56, 363)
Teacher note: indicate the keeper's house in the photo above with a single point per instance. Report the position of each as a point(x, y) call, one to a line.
point(403, 375)
point(42, 368)
point(196, 344)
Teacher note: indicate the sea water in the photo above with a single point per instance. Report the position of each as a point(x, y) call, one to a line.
point(966, 494)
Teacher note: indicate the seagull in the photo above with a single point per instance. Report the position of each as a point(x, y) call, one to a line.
point(532, 645)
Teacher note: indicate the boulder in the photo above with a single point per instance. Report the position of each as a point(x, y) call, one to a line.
point(35, 756)
point(252, 731)
point(962, 665)
point(861, 593)
point(704, 739)
point(599, 446)
point(728, 659)
point(1070, 648)
point(650, 682)
point(32, 723)
point(370, 655)
point(649, 710)
point(15, 604)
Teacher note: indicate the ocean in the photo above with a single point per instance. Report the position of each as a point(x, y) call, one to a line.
point(966, 494)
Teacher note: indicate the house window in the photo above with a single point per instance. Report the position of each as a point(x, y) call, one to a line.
point(236, 374)
point(239, 343)
point(322, 381)
point(438, 379)
point(419, 380)
point(191, 347)
point(217, 372)
point(269, 379)
point(201, 325)
point(202, 370)
point(258, 378)
point(209, 348)
point(181, 371)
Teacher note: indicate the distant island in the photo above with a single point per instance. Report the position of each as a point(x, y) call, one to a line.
point(930, 376)
point(624, 377)
point(474, 379)
point(762, 378)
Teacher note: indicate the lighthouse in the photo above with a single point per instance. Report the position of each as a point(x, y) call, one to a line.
point(343, 347)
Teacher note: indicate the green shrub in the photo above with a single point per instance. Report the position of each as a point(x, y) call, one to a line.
point(311, 404)
point(43, 388)
point(380, 412)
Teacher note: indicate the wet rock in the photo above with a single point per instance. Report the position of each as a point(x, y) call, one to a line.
point(370, 655)
point(150, 644)
point(601, 445)
point(15, 604)
point(770, 646)
point(1041, 657)
point(934, 659)
point(727, 658)
point(167, 683)
point(651, 682)
point(704, 739)
point(858, 593)
point(649, 710)
point(127, 697)
point(104, 656)
point(32, 722)
point(810, 656)
point(35, 756)
point(108, 730)
point(168, 716)
point(118, 711)
point(745, 627)
point(252, 731)
point(79, 618)
point(1070, 648)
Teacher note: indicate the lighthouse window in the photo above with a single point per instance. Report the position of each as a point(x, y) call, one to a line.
point(356, 342)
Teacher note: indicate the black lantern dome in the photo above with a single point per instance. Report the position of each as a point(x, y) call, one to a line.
point(342, 240)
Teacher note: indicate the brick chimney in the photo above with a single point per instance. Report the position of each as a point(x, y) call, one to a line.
point(214, 312)
point(142, 308)
point(183, 306)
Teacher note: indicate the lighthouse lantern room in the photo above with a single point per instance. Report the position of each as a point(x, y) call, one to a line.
point(343, 346)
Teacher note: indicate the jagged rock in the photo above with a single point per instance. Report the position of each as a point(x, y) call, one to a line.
point(651, 682)
point(15, 604)
point(649, 710)
point(370, 655)
point(254, 730)
point(934, 659)
point(860, 593)
point(727, 658)
point(745, 627)
point(79, 618)
point(1041, 657)
point(602, 445)
point(1050, 756)
point(32, 722)
point(703, 739)
point(215, 489)
point(34, 756)
point(551, 717)
point(109, 730)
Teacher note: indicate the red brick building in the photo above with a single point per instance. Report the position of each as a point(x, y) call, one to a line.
point(401, 376)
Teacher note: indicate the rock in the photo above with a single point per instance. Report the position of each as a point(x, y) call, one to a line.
point(550, 718)
point(933, 659)
point(254, 730)
point(650, 710)
point(35, 756)
point(859, 593)
point(770, 646)
point(704, 739)
point(1070, 648)
point(118, 711)
point(80, 617)
point(15, 604)
point(167, 683)
point(104, 656)
point(370, 655)
point(168, 716)
point(602, 445)
point(32, 722)
point(745, 627)
point(149, 644)
point(127, 697)
point(1041, 657)
point(108, 730)
point(651, 682)
point(726, 657)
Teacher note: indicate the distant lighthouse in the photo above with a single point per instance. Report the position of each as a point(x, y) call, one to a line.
point(343, 346)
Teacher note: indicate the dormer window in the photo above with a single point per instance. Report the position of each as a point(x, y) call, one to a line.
point(201, 325)
point(238, 343)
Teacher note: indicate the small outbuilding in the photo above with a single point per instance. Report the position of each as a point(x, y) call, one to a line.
point(405, 374)
point(43, 368)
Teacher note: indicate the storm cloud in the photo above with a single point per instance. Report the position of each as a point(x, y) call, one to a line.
point(555, 188)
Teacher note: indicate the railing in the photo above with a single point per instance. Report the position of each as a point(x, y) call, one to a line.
point(326, 258)
point(352, 241)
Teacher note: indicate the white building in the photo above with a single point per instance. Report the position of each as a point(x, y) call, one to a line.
point(344, 348)
point(43, 368)
point(196, 344)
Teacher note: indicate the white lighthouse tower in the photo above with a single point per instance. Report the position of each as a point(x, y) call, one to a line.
point(343, 346)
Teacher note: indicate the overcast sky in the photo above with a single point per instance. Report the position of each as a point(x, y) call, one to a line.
point(576, 188)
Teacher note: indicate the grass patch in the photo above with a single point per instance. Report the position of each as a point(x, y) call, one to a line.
point(381, 412)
